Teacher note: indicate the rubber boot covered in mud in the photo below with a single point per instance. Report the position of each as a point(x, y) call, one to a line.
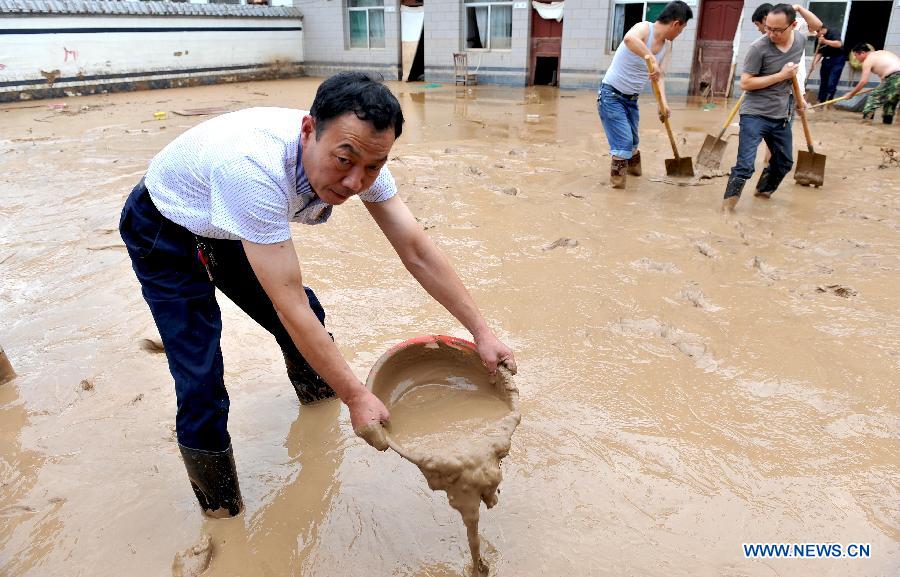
point(733, 192)
point(309, 386)
point(767, 183)
point(214, 479)
point(634, 164)
point(617, 171)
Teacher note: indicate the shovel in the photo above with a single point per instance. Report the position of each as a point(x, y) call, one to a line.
point(833, 100)
point(810, 165)
point(713, 148)
point(680, 165)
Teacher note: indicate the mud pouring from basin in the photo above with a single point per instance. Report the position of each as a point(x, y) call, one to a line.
point(451, 418)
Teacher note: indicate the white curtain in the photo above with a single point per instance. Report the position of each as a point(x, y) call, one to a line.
point(501, 27)
point(481, 18)
point(618, 26)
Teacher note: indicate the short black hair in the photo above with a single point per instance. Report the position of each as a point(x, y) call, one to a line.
point(862, 47)
point(676, 10)
point(785, 9)
point(362, 94)
point(759, 15)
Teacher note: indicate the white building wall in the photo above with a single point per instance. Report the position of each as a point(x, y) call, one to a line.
point(326, 41)
point(444, 35)
point(51, 54)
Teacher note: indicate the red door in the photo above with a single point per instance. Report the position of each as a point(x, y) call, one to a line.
point(718, 24)
point(546, 47)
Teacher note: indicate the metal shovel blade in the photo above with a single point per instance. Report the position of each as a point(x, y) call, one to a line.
point(712, 152)
point(810, 169)
point(681, 166)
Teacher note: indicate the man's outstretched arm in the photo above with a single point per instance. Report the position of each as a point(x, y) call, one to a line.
point(430, 267)
point(278, 270)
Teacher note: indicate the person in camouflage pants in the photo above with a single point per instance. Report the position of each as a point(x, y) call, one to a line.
point(885, 64)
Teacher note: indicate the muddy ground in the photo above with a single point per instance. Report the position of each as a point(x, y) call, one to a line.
point(689, 382)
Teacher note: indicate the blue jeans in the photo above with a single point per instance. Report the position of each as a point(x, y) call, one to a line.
point(182, 300)
point(777, 134)
point(830, 74)
point(620, 118)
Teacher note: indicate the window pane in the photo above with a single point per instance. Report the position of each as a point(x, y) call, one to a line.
point(358, 32)
point(654, 9)
point(501, 27)
point(625, 15)
point(832, 16)
point(376, 28)
point(476, 27)
point(365, 3)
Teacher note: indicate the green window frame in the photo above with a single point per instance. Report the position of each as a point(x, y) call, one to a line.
point(365, 24)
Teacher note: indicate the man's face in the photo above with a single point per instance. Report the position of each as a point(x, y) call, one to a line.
point(675, 30)
point(777, 27)
point(761, 26)
point(346, 158)
point(861, 56)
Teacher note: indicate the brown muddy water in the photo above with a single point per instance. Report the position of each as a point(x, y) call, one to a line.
point(689, 383)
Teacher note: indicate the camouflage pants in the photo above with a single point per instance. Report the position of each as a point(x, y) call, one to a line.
point(886, 95)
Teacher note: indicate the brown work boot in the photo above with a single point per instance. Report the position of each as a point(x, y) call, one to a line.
point(618, 170)
point(634, 164)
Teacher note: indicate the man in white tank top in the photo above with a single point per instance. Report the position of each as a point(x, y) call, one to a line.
point(625, 80)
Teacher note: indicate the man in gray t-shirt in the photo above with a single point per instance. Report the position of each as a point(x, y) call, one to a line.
point(767, 78)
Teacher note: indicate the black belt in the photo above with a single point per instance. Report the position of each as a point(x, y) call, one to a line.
point(894, 73)
point(622, 94)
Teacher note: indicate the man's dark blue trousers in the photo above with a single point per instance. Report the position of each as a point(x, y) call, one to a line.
point(182, 299)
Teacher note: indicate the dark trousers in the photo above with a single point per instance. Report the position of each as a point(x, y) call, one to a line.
point(182, 300)
point(830, 74)
point(777, 134)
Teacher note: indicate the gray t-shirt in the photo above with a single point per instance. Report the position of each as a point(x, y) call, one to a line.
point(764, 59)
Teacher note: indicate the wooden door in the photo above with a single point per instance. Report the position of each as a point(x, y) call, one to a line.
point(718, 24)
point(546, 42)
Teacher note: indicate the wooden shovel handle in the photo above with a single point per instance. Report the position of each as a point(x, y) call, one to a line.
point(797, 96)
point(844, 97)
point(731, 115)
point(660, 105)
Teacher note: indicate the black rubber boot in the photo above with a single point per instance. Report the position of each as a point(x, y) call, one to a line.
point(310, 387)
point(733, 192)
point(766, 184)
point(214, 480)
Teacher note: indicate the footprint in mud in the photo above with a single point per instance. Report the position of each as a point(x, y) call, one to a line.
point(695, 296)
point(839, 290)
point(152, 346)
point(194, 560)
point(561, 242)
point(764, 269)
point(15, 510)
point(689, 344)
point(705, 249)
point(654, 266)
point(796, 243)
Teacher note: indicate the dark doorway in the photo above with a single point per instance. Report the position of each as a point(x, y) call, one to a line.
point(868, 22)
point(546, 71)
point(417, 71)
